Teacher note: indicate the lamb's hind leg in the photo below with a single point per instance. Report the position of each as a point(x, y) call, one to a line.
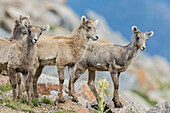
point(27, 83)
point(78, 70)
point(115, 79)
point(13, 81)
point(91, 83)
point(61, 81)
point(20, 95)
point(35, 80)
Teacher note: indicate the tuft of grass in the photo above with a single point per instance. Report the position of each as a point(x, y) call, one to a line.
point(145, 97)
point(52, 28)
point(1, 101)
point(11, 106)
point(58, 112)
point(47, 101)
point(23, 90)
point(23, 100)
point(5, 87)
point(71, 112)
point(17, 105)
point(35, 102)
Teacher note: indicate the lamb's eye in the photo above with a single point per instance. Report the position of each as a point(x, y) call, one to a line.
point(89, 27)
point(29, 31)
point(40, 33)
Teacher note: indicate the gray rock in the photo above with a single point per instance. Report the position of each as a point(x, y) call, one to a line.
point(54, 92)
point(163, 107)
point(70, 20)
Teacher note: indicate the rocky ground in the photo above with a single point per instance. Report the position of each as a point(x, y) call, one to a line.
point(86, 101)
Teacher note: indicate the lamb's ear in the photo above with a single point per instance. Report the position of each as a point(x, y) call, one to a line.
point(83, 19)
point(134, 29)
point(96, 22)
point(46, 28)
point(150, 33)
point(26, 24)
point(20, 18)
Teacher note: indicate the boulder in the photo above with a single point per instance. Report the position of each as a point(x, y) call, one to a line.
point(163, 107)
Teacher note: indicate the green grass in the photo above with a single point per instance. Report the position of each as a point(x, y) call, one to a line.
point(11, 106)
point(70, 112)
point(35, 102)
point(23, 90)
point(52, 28)
point(1, 101)
point(17, 105)
point(47, 101)
point(146, 98)
point(5, 87)
point(58, 112)
point(23, 100)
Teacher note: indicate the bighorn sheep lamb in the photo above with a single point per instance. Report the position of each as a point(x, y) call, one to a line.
point(64, 51)
point(20, 56)
point(109, 57)
point(17, 34)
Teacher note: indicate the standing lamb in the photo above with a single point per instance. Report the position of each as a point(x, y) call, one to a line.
point(64, 51)
point(18, 32)
point(20, 57)
point(109, 57)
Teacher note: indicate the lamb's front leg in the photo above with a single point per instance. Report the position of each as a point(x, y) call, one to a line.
point(78, 70)
point(13, 81)
point(35, 80)
point(115, 79)
point(19, 76)
point(91, 83)
point(27, 83)
point(61, 81)
point(70, 70)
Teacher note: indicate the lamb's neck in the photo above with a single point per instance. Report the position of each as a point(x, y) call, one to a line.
point(31, 50)
point(80, 41)
point(131, 51)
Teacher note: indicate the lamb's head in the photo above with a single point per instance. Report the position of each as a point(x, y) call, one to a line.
point(141, 38)
point(34, 32)
point(89, 27)
point(19, 25)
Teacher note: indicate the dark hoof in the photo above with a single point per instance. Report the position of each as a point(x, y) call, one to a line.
point(61, 101)
point(75, 100)
point(117, 104)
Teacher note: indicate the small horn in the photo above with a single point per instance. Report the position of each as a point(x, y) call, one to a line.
point(28, 19)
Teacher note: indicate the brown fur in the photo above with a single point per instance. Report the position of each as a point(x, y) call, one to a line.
point(17, 34)
point(19, 56)
point(64, 51)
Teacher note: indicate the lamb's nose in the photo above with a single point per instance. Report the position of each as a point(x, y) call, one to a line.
point(143, 48)
point(97, 37)
point(35, 40)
